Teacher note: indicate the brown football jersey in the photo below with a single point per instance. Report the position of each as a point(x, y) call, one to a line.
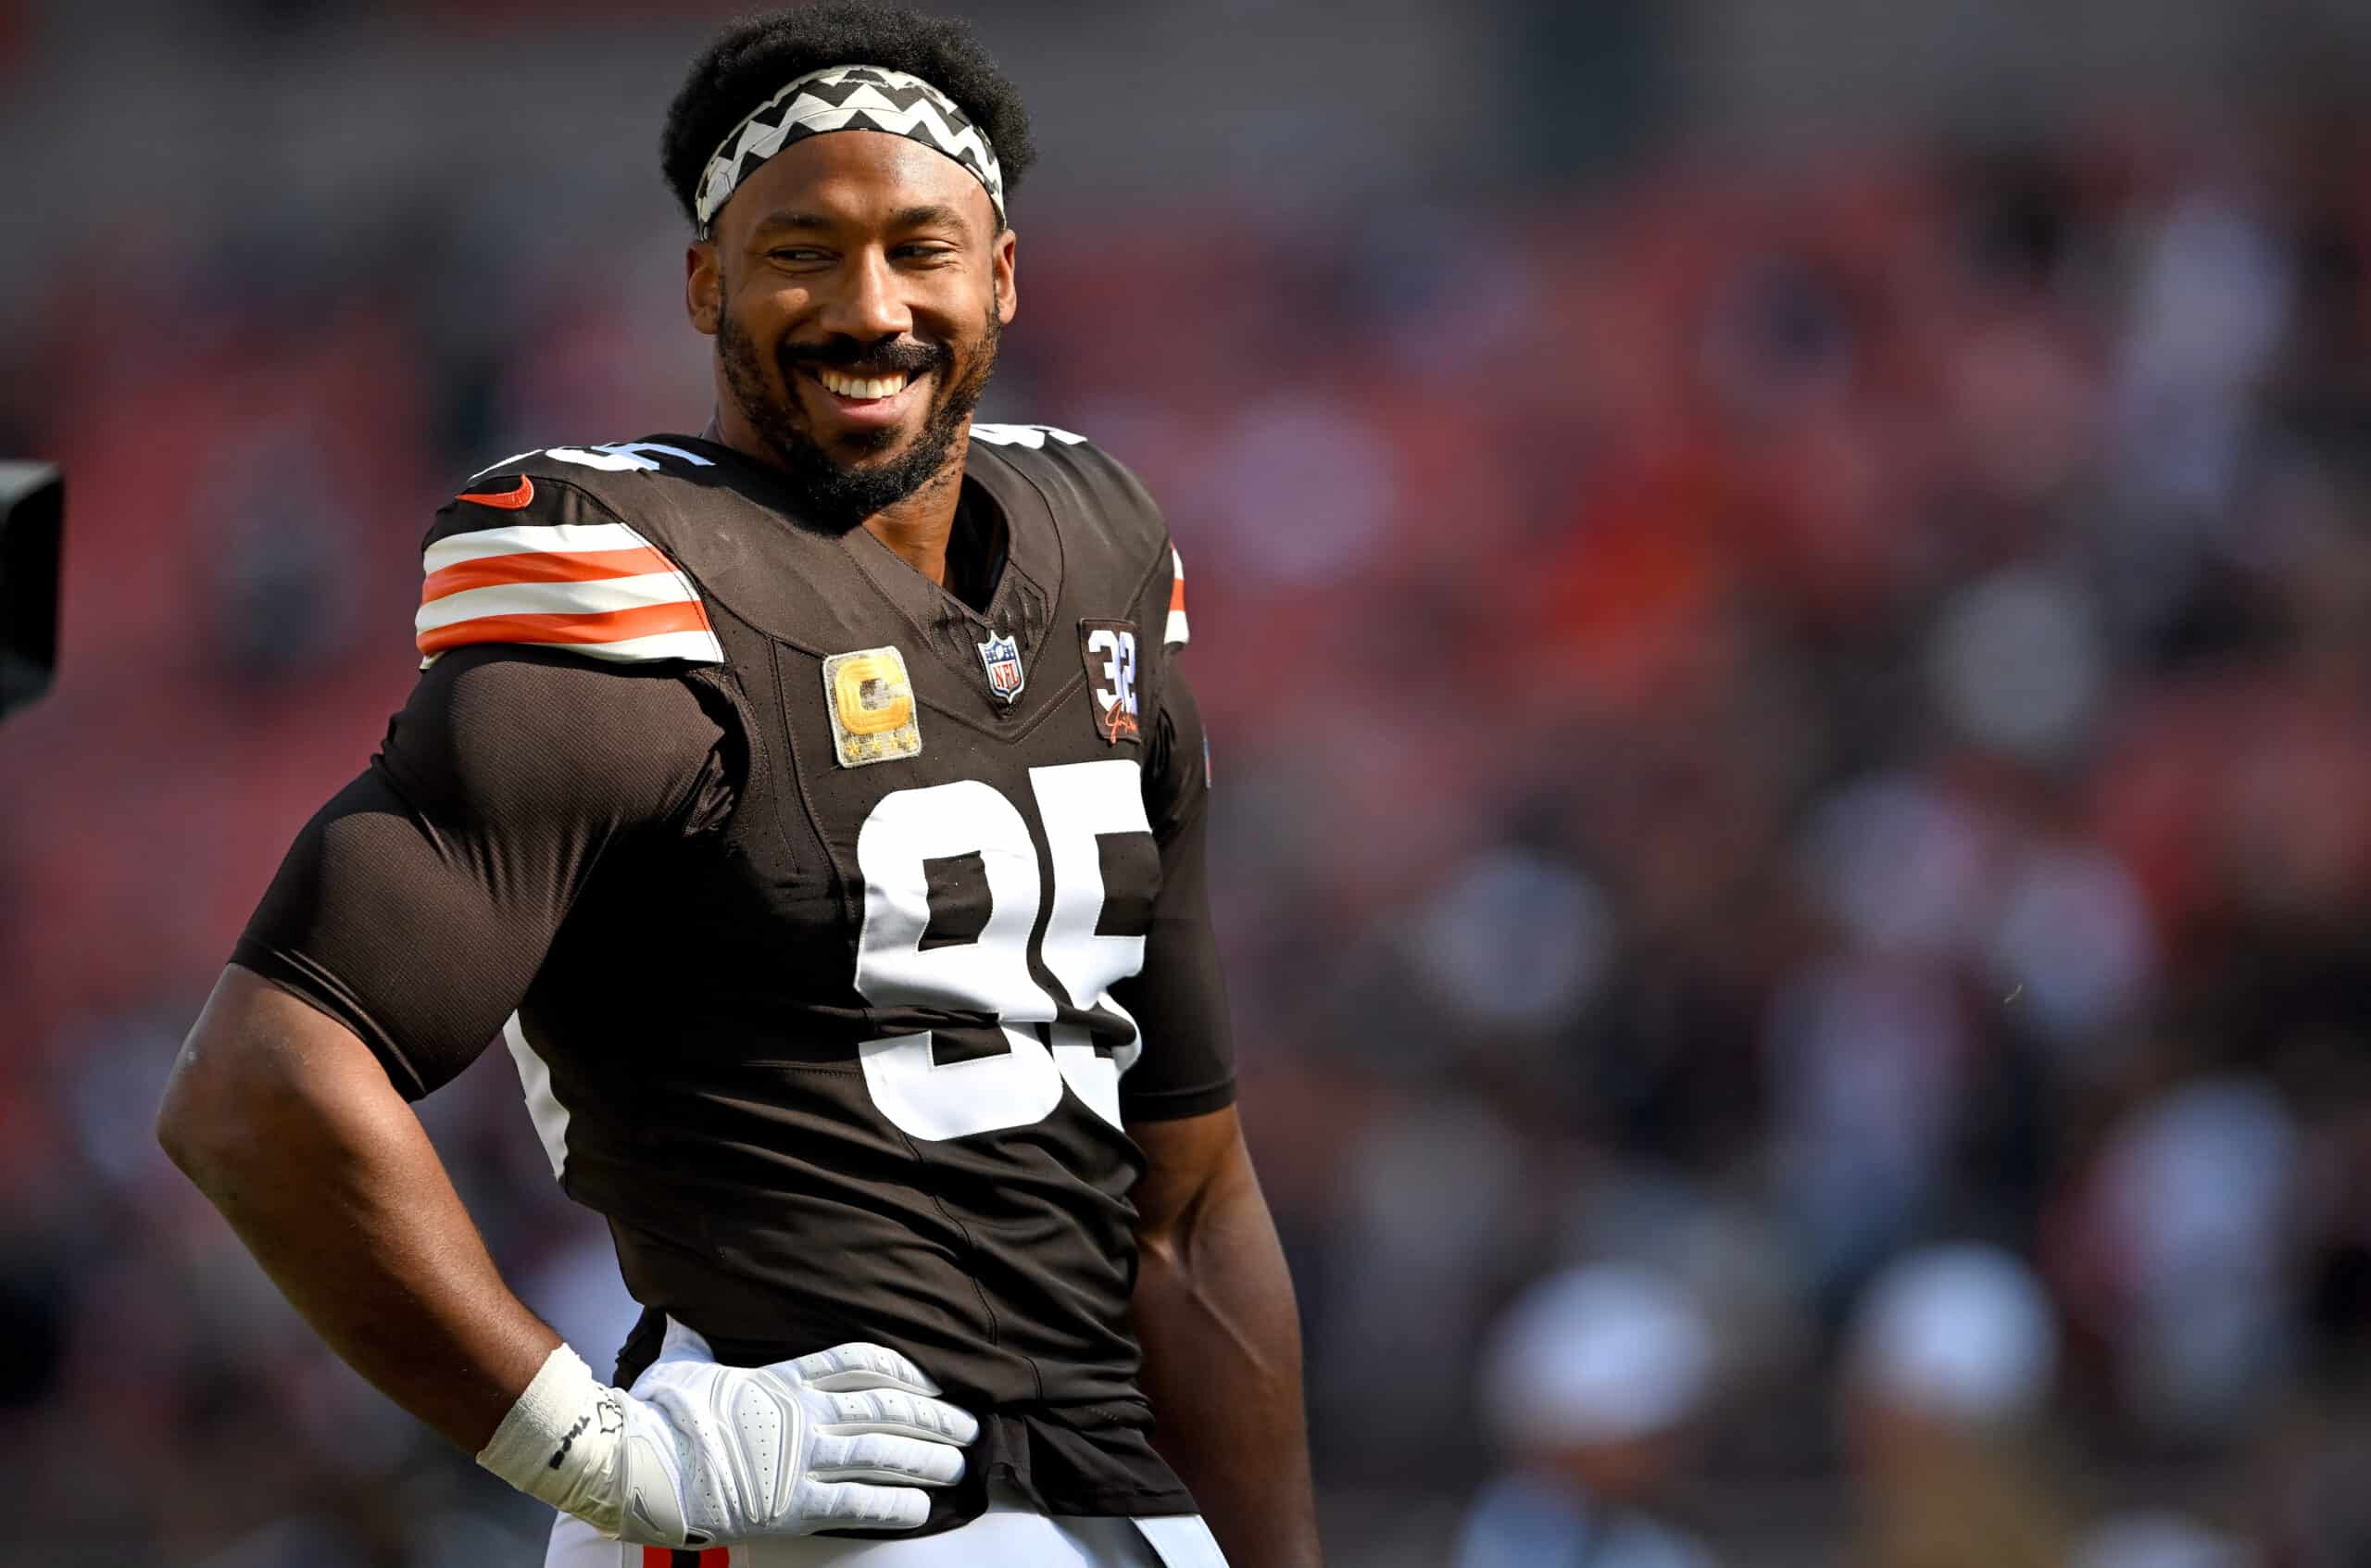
point(838, 927)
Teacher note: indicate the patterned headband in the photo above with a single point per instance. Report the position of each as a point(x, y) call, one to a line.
point(847, 99)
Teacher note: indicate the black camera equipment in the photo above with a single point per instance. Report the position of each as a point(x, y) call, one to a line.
point(32, 512)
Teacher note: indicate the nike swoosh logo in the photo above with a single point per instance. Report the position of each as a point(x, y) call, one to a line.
point(510, 502)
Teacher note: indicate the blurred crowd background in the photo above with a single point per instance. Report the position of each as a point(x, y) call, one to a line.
point(1783, 591)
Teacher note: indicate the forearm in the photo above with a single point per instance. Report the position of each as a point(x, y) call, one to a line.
point(328, 1178)
point(1221, 1333)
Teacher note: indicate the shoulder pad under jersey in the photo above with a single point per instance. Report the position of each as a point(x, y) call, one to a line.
point(1100, 492)
point(532, 552)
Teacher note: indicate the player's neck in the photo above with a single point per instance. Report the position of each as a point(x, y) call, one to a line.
point(917, 529)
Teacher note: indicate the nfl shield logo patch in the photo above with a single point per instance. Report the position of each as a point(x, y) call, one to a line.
point(1002, 657)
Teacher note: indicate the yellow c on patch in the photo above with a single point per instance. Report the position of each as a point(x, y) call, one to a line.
point(873, 709)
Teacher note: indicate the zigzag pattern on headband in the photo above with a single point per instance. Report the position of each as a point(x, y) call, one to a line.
point(847, 99)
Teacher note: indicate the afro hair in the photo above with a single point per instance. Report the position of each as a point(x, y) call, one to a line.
point(756, 57)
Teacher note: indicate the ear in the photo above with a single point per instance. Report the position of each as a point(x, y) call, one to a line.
point(1008, 291)
point(703, 287)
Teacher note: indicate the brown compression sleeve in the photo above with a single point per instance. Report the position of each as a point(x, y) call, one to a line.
point(1179, 998)
point(416, 907)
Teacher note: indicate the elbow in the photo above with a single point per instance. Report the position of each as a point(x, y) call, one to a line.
point(260, 1075)
point(1157, 1253)
point(1169, 1244)
point(1165, 1225)
point(182, 1129)
point(196, 1123)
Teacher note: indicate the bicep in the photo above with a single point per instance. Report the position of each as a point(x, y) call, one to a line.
point(416, 907)
point(416, 940)
point(1187, 1160)
point(1178, 998)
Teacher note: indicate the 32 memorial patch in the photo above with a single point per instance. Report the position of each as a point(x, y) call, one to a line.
point(1110, 650)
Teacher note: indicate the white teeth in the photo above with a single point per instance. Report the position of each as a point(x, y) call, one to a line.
point(868, 388)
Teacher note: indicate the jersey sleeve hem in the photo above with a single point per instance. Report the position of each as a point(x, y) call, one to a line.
point(324, 992)
point(1175, 1105)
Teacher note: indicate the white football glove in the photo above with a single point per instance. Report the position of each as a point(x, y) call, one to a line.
point(699, 1454)
point(841, 1439)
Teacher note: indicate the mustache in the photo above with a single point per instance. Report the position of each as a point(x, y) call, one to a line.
point(890, 355)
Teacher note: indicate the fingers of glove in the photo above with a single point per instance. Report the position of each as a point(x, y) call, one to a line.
point(877, 1456)
point(843, 1505)
point(888, 1410)
point(682, 1344)
point(845, 1368)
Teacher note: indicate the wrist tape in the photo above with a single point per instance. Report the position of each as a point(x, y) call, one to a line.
point(563, 1442)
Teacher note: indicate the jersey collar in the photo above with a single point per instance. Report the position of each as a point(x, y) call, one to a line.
point(1022, 606)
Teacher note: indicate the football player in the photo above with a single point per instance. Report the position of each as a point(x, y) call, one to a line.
point(815, 807)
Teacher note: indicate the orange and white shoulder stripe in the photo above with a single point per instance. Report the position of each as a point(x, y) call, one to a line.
point(1175, 635)
point(598, 589)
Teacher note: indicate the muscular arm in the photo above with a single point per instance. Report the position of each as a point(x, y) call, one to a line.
point(286, 1121)
point(1221, 1341)
point(1213, 1307)
point(403, 925)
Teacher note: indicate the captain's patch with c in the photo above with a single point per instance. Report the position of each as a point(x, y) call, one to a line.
point(872, 705)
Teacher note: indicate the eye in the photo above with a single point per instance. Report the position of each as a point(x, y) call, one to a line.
point(798, 255)
point(929, 254)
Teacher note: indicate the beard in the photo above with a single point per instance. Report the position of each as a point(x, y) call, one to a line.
point(834, 497)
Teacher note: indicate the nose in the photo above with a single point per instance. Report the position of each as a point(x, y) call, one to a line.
point(867, 306)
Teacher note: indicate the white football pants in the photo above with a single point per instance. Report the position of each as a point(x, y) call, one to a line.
point(1010, 1534)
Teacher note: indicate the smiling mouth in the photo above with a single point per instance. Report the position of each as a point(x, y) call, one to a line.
point(862, 389)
